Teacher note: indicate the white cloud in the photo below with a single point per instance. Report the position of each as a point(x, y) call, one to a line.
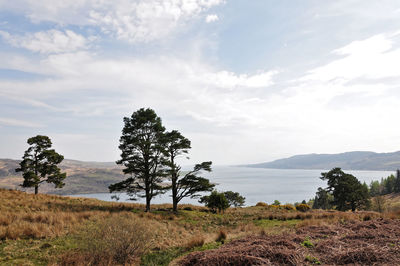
point(199, 88)
point(18, 123)
point(372, 58)
point(212, 18)
point(135, 20)
point(226, 79)
point(46, 42)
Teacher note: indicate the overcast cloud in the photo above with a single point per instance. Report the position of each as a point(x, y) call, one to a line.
point(246, 81)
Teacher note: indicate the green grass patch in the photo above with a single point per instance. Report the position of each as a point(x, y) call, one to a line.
point(312, 260)
point(307, 243)
point(34, 252)
point(164, 257)
point(265, 223)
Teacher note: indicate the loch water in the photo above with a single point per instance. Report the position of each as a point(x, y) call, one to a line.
point(259, 184)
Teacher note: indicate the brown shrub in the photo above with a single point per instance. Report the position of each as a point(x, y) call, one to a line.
point(222, 235)
point(118, 239)
point(303, 207)
point(261, 204)
point(196, 241)
point(289, 207)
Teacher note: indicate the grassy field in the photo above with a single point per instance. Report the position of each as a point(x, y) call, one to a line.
point(53, 230)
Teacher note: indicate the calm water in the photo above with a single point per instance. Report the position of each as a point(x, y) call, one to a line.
point(267, 185)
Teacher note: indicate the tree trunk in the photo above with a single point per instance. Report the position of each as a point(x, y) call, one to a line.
point(175, 205)
point(36, 189)
point(147, 189)
point(174, 196)
point(147, 202)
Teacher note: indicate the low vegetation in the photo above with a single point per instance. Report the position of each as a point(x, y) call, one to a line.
point(374, 242)
point(44, 229)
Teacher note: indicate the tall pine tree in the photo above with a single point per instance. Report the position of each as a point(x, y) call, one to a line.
point(141, 144)
point(39, 164)
point(183, 185)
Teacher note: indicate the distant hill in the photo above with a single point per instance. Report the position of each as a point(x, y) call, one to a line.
point(82, 177)
point(357, 160)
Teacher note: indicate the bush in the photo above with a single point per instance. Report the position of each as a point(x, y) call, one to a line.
point(215, 201)
point(222, 235)
point(302, 207)
point(234, 199)
point(196, 241)
point(276, 203)
point(261, 204)
point(117, 239)
point(289, 207)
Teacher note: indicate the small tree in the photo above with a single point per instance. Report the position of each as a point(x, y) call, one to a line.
point(141, 144)
point(323, 200)
point(39, 164)
point(276, 203)
point(397, 182)
point(215, 201)
point(389, 184)
point(375, 189)
point(234, 198)
point(379, 203)
point(183, 185)
point(348, 193)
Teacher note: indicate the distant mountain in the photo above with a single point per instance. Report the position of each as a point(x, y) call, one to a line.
point(82, 177)
point(357, 160)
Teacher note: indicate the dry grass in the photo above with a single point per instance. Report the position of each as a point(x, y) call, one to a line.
point(42, 217)
point(222, 235)
point(372, 242)
point(196, 241)
point(117, 240)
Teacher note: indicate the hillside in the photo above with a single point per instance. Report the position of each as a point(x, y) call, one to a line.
point(357, 160)
point(83, 177)
point(52, 230)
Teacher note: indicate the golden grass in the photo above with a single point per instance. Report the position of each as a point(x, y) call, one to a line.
point(196, 241)
point(28, 216)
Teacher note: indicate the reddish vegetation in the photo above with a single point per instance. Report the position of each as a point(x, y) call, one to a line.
point(375, 242)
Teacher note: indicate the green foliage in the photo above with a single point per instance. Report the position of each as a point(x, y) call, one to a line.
point(323, 200)
point(312, 260)
point(215, 201)
point(164, 257)
point(276, 203)
point(397, 182)
point(390, 184)
point(307, 243)
point(348, 193)
point(375, 189)
point(302, 207)
point(234, 198)
point(39, 164)
point(191, 184)
point(267, 223)
point(141, 144)
point(149, 156)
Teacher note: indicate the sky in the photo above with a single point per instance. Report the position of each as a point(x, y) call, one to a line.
point(245, 81)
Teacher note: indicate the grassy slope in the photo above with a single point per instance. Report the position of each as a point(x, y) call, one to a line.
point(37, 230)
point(83, 177)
